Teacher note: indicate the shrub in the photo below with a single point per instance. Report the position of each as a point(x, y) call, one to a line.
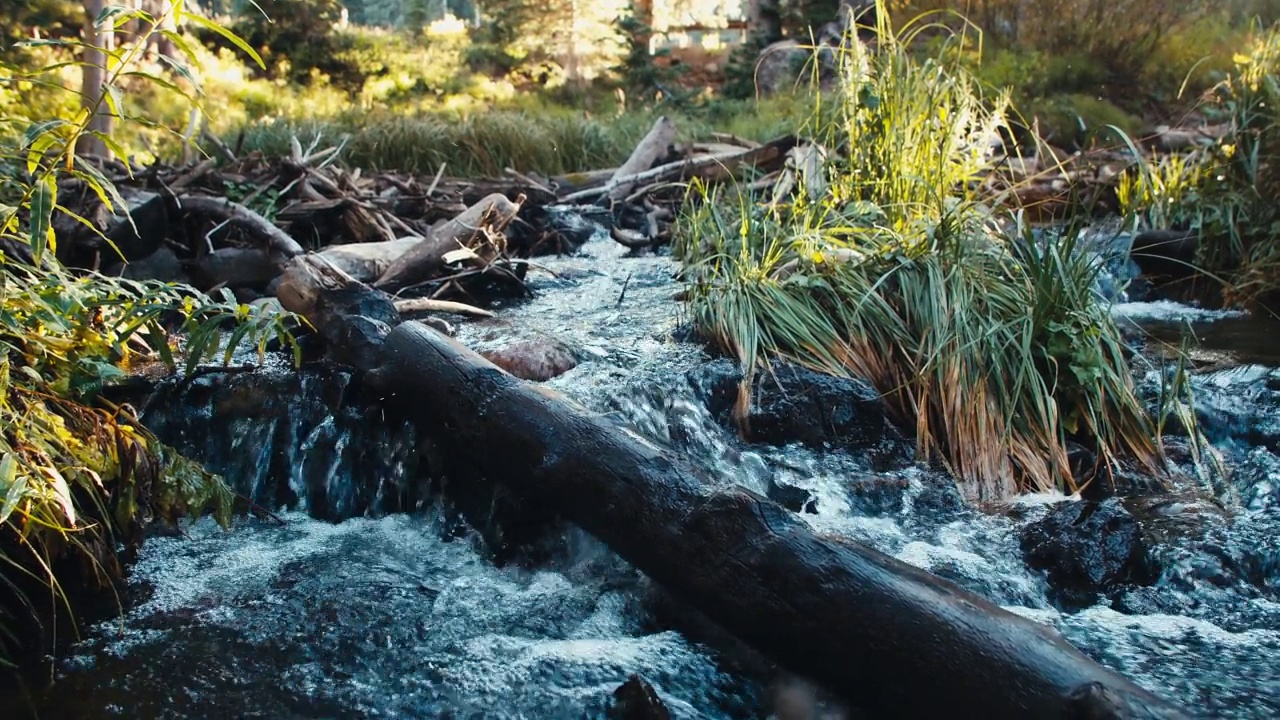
point(78, 475)
point(1226, 193)
point(992, 343)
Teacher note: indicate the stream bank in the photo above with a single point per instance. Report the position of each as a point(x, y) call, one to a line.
point(374, 600)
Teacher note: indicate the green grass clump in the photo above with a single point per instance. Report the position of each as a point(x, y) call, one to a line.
point(1227, 192)
point(992, 343)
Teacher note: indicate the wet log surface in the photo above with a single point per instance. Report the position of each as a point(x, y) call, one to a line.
point(891, 638)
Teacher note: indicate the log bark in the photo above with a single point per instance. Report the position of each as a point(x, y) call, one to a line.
point(890, 637)
point(428, 257)
point(367, 262)
point(713, 168)
point(652, 148)
point(275, 241)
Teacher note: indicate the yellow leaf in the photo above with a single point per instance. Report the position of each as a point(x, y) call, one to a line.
point(63, 493)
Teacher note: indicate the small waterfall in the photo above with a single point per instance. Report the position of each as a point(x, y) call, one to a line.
point(309, 440)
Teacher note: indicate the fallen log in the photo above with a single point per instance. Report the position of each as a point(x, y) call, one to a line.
point(712, 168)
point(274, 240)
point(655, 144)
point(893, 639)
point(367, 262)
point(427, 258)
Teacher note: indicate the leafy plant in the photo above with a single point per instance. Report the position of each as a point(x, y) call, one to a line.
point(1226, 192)
point(990, 340)
point(79, 475)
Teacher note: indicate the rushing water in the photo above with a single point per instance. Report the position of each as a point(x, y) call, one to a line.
point(337, 609)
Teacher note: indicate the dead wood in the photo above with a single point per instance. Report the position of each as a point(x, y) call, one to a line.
point(431, 305)
point(367, 262)
point(713, 168)
point(274, 240)
point(429, 256)
point(655, 145)
point(893, 639)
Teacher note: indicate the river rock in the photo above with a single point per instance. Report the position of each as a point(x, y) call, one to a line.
point(636, 699)
point(798, 405)
point(162, 265)
point(787, 63)
point(236, 267)
point(538, 359)
point(1087, 548)
point(795, 499)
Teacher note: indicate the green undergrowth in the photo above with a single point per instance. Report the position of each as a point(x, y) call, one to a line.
point(529, 136)
point(79, 475)
point(1227, 191)
point(885, 264)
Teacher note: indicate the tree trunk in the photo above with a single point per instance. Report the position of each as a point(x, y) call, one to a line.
point(893, 639)
point(98, 40)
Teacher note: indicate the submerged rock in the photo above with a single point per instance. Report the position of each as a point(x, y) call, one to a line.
point(636, 699)
point(538, 359)
point(795, 499)
point(1087, 548)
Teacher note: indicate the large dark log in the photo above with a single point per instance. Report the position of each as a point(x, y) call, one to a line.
point(891, 638)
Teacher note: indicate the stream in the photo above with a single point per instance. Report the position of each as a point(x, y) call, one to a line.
point(366, 595)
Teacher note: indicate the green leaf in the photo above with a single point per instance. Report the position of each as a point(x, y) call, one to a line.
point(38, 150)
point(101, 186)
point(114, 99)
point(44, 127)
point(155, 80)
point(109, 12)
point(225, 33)
point(14, 485)
point(43, 201)
point(183, 46)
point(63, 493)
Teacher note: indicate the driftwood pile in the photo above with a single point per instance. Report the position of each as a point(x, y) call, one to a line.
point(435, 242)
point(449, 244)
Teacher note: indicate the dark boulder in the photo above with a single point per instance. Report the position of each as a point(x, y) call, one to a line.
point(162, 265)
point(636, 699)
point(236, 267)
point(793, 404)
point(795, 499)
point(1086, 549)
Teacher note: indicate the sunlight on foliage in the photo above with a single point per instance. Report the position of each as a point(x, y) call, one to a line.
point(1226, 192)
point(79, 475)
point(989, 337)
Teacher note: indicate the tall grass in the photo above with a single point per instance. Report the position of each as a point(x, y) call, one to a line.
point(538, 136)
point(1227, 193)
point(990, 341)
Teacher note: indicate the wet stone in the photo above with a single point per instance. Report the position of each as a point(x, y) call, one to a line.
point(538, 359)
point(1087, 549)
point(879, 494)
point(795, 405)
point(793, 498)
point(636, 699)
